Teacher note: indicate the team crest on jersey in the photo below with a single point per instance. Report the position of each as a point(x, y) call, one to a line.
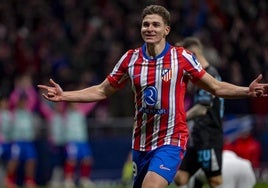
point(166, 74)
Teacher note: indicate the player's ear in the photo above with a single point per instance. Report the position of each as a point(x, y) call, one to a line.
point(167, 30)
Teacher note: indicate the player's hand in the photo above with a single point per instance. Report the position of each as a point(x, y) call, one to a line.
point(258, 89)
point(53, 92)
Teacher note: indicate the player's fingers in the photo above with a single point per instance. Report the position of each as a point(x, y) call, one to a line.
point(262, 87)
point(51, 92)
point(50, 95)
point(258, 78)
point(52, 82)
point(265, 86)
point(45, 96)
point(43, 87)
point(57, 87)
point(259, 93)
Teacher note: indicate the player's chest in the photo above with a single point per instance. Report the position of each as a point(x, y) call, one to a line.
point(146, 73)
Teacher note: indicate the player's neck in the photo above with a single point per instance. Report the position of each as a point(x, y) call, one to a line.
point(154, 50)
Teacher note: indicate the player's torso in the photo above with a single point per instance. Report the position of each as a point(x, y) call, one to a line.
point(159, 88)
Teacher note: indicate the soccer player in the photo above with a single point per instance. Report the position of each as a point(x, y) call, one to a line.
point(206, 139)
point(156, 71)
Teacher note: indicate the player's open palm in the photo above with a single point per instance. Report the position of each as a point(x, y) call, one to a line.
point(53, 92)
point(258, 89)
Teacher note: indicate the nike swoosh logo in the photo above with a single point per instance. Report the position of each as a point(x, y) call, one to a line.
point(163, 167)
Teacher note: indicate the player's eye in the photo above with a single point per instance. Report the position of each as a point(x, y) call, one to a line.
point(145, 24)
point(156, 24)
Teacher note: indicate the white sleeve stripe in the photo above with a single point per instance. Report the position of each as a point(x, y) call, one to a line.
point(194, 62)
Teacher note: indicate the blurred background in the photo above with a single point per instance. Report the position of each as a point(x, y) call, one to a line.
point(77, 43)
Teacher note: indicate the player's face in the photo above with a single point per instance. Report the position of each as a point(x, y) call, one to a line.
point(153, 29)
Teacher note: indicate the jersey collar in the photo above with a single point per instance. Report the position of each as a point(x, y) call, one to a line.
point(167, 46)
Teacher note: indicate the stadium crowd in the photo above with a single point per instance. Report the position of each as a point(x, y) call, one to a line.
point(78, 42)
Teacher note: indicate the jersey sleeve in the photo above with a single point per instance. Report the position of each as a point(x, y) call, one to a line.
point(119, 76)
point(191, 65)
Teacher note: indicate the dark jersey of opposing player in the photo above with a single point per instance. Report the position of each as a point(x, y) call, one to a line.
point(207, 129)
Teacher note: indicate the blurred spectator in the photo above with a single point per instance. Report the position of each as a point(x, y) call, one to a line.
point(22, 101)
point(248, 147)
point(23, 151)
point(24, 88)
point(195, 15)
point(6, 126)
point(259, 108)
point(78, 150)
point(54, 114)
point(240, 106)
point(239, 138)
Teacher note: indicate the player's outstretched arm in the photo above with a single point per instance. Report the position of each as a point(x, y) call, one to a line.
point(231, 91)
point(54, 92)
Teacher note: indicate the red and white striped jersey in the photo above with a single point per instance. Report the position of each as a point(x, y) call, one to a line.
point(159, 86)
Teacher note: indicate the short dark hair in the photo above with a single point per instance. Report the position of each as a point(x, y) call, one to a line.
point(188, 42)
point(159, 10)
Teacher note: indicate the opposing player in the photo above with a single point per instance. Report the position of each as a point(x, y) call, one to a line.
point(206, 139)
point(156, 71)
